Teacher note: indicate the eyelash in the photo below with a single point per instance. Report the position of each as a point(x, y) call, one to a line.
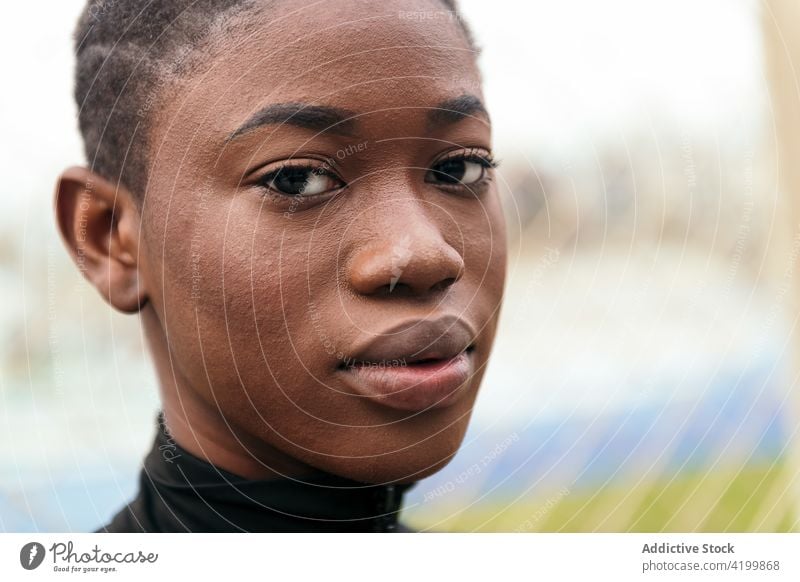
point(475, 155)
point(486, 160)
point(264, 181)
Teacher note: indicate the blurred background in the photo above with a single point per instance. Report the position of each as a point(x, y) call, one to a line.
point(645, 370)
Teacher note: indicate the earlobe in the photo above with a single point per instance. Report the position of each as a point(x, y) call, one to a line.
point(99, 223)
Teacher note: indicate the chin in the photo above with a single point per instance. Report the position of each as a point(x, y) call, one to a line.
point(389, 470)
point(410, 462)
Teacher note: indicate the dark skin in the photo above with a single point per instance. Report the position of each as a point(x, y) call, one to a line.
point(251, 297)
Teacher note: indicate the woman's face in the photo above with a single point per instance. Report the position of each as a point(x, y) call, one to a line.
point(323, 243)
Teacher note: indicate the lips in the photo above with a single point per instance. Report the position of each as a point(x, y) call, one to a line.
point(415, 365)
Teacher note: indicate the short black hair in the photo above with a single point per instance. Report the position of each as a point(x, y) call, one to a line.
point(126, 50)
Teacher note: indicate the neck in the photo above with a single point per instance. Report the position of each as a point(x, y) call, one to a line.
point(208, 436)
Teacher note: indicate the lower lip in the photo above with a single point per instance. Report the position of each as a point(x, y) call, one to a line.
point(413, 387)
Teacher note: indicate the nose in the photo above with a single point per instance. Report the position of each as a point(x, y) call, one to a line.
point(408, 257)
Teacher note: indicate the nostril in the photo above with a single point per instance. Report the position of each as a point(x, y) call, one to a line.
point(443, 284)
point(392, 289)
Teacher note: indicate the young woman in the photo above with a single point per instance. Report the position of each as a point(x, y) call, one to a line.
point(298, 198)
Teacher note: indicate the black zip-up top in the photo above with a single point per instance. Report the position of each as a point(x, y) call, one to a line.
point(179, 492)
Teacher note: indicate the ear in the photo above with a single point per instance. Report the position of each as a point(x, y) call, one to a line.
point(99, 223)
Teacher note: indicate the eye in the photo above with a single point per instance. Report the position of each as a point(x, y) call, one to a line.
point(460, 170)
point(300, 181)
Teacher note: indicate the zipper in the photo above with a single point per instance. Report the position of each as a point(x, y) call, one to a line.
point(388, 521)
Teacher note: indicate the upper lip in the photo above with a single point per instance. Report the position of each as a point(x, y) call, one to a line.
point(416, 340)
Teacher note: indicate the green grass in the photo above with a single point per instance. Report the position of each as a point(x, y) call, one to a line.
point(737, 499)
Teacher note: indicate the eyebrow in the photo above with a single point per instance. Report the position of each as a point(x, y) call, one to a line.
point(320, 118)
point(456, 109)
point(323, 118)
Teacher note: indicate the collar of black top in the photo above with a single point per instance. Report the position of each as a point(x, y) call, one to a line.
point(179, 492)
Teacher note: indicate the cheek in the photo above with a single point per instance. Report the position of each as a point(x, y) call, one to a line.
point(485, 249)
point(485, 260)
point(239, 308)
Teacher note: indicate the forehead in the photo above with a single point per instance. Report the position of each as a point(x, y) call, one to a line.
point(358, 55)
